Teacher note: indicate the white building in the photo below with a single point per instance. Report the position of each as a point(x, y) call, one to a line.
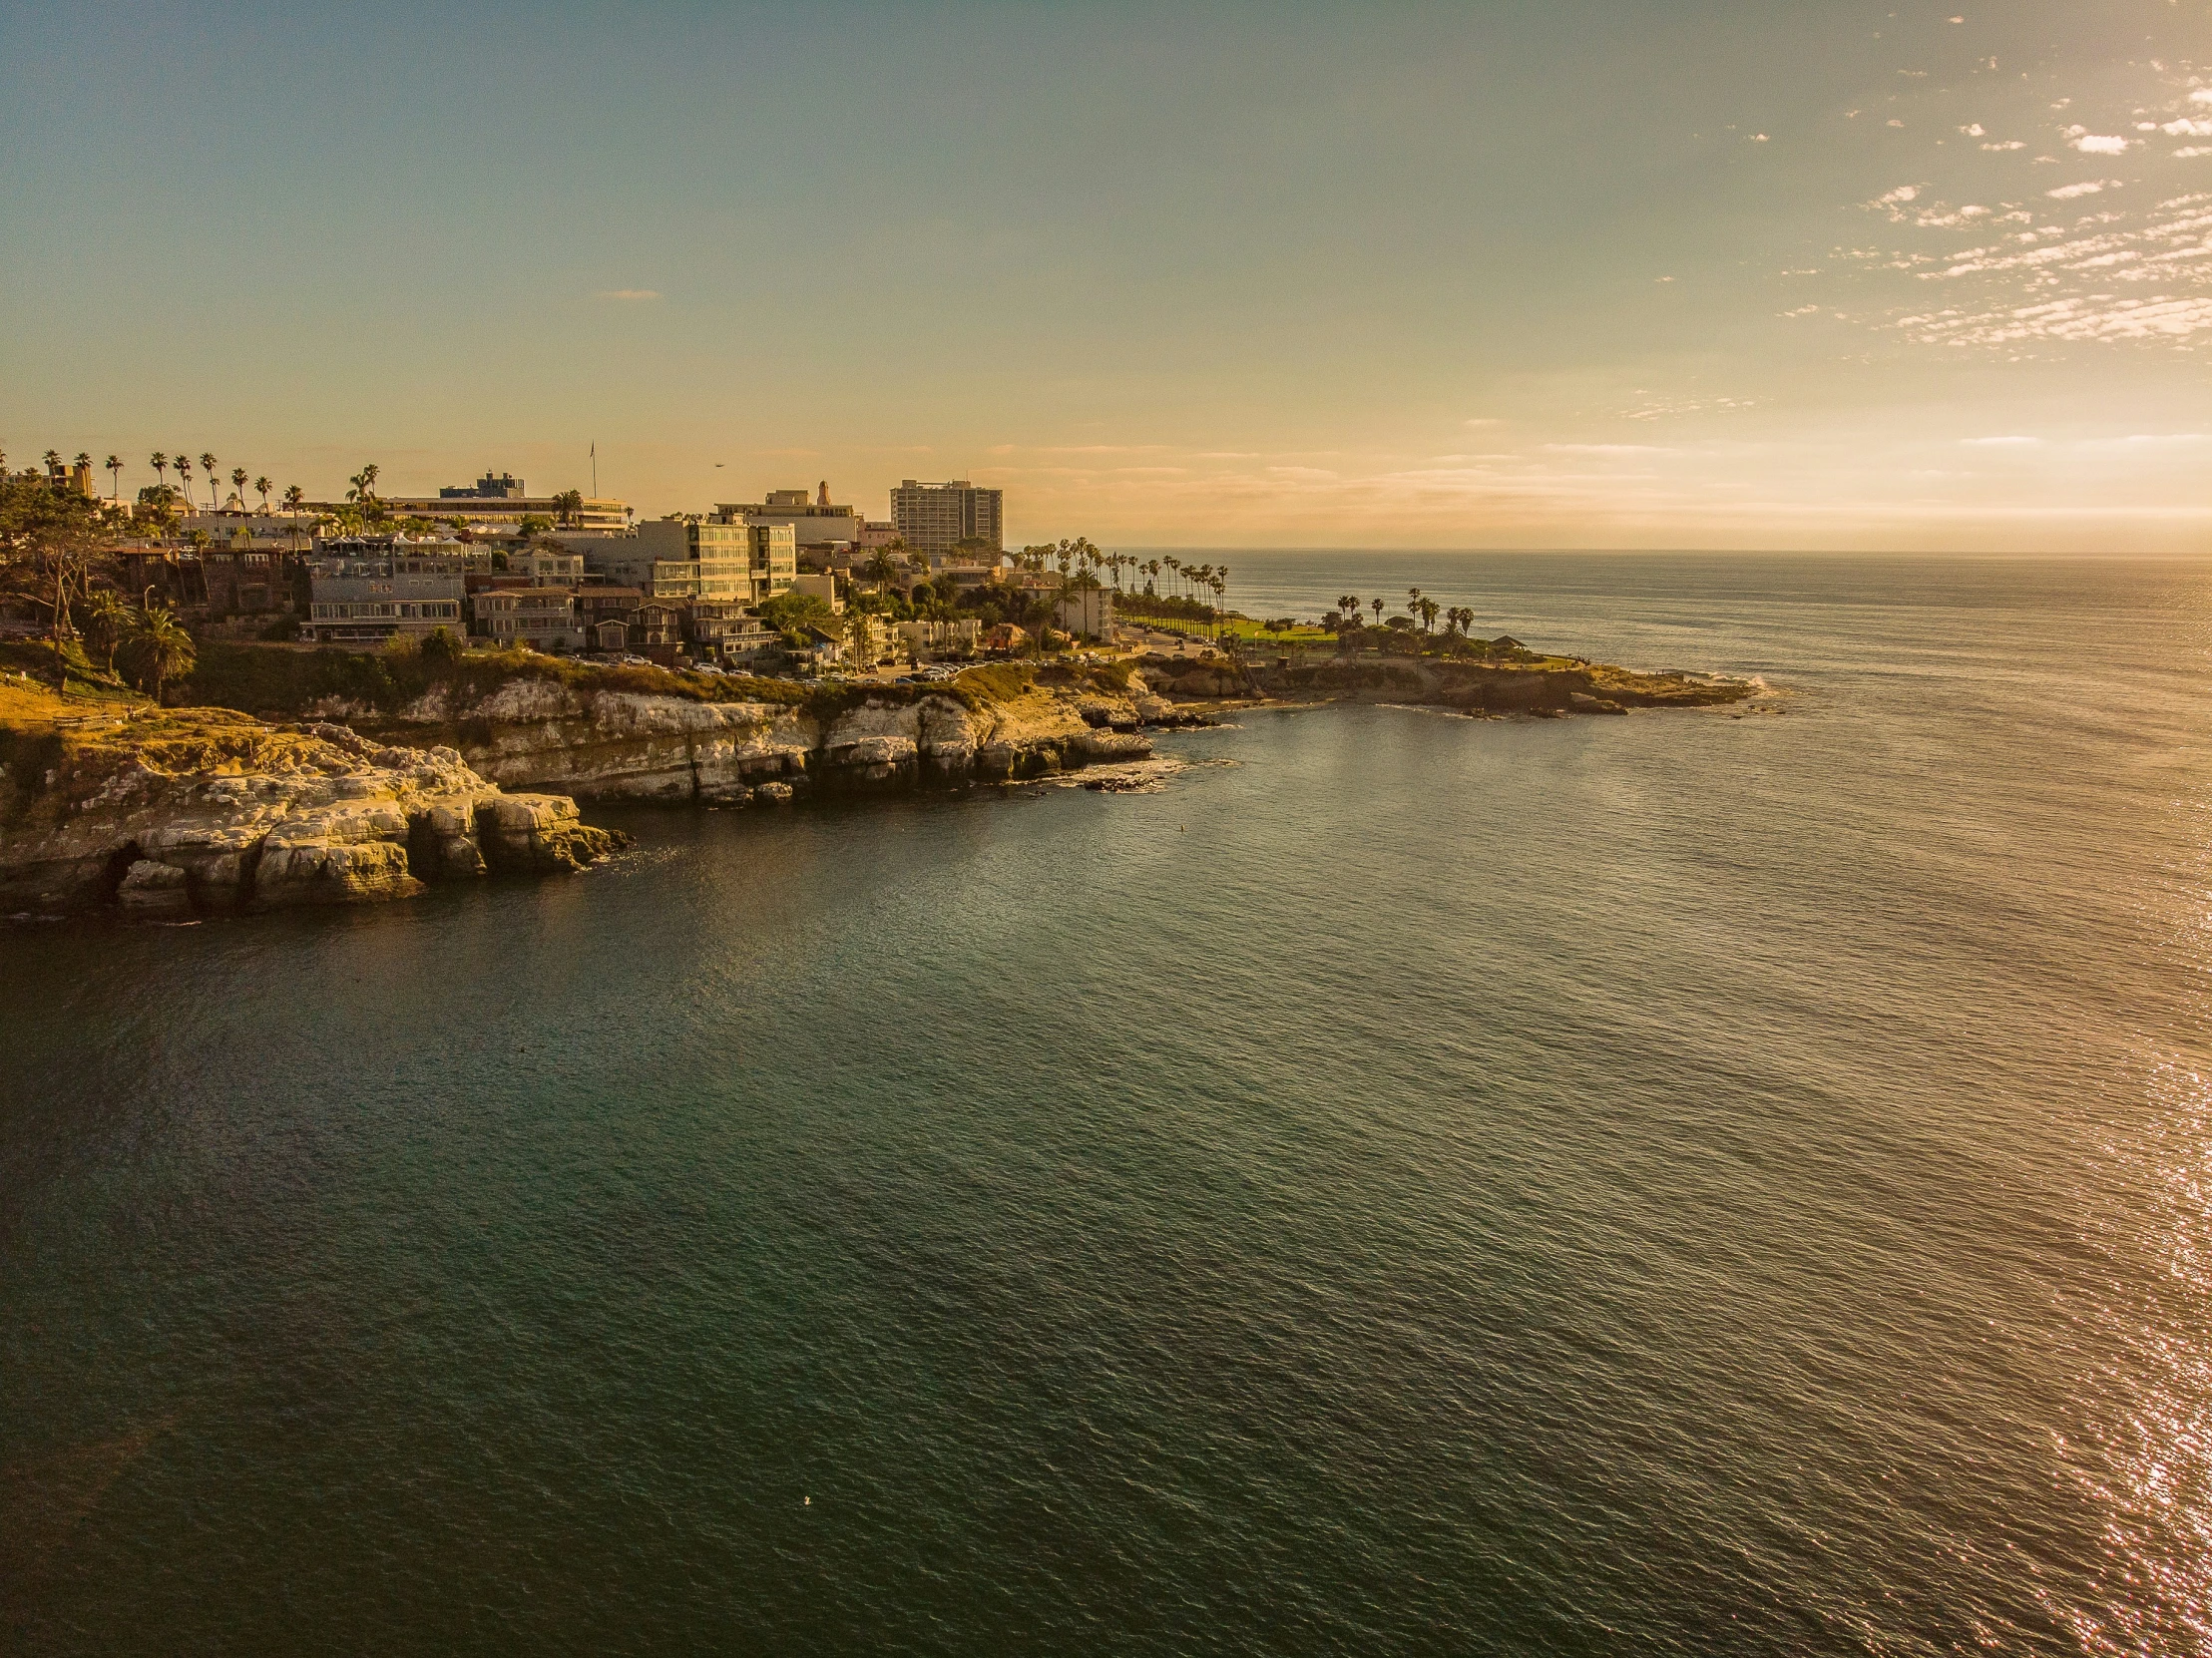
point(813, 523)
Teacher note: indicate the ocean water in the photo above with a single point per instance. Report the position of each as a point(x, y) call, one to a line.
point(1684, 1183)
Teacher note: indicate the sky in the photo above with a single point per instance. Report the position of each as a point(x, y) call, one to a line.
point(1547, 274)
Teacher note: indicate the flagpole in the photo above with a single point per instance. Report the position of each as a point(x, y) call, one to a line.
point(595, 469)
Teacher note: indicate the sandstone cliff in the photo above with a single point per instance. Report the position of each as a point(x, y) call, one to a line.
point(609, 743)
point(202, 810)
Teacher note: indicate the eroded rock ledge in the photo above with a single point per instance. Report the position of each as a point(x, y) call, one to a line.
point(205, 811)
point(627, 744)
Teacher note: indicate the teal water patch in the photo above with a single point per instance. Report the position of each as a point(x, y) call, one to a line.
point(1670, 1183)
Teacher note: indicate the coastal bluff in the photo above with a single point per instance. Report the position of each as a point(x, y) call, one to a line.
point(648, 734)
point(203, 811)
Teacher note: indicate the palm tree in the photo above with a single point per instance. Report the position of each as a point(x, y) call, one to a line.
point(155, 647)
point(882, 567)
point(214, 478)
point(1429, 608)
point(1378, 604)
point(261, 487)
point(1413, 600)
point(115, 472)
point(1457, 620)
point(238, 482)
point(1349, 603)
point(53, 460)
point(295, 499)
point(858, 630)
point(182, 464)
point(159, 462)
point(106, 619)
point(363, 497)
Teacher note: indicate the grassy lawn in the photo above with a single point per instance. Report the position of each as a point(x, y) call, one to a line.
point(85, 684)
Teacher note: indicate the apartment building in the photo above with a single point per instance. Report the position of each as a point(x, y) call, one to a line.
point(698, 557)
point(936, 516)
point(367, 592)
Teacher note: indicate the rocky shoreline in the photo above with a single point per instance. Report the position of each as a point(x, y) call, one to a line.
point(207, 811)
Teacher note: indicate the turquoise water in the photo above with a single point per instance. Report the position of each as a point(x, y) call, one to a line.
point(1678, 1183)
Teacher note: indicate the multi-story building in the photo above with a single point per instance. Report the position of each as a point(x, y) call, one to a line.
point(1085, 610)
point(544, 618)
point(729, 632)
point(813, 524)
point(698, 557)
point(945, 514)
point(549, 568)
point(366, 590)
point(496, 501)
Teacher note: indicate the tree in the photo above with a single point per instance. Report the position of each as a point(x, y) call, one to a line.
point(214, 478)
point(571, 503)
point(156, 649)
point(261, 487)
point(364, 491)
point(442, 648)
point(105, 620)
point(159, 462)
point(1349, 603)
point(115, 474)
point(1413, 600)
point(157, 506)
point(295, 499)
point(532, 525)
point(47, 541)
point(860, 630)
point(182, 464)
point(882, 567)
point(1429, 608)
point(791, 611)
point(238, 482)
point(1378, 604)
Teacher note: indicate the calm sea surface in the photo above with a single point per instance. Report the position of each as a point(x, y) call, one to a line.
point(1412, 1185)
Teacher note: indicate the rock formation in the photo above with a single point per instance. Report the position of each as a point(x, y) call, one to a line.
point(207, 811)
point(627, 745)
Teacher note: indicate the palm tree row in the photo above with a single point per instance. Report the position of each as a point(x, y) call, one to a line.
point(162, 462)
point(1420, 609)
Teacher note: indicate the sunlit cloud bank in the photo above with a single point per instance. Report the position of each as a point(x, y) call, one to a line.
point(2114, 258)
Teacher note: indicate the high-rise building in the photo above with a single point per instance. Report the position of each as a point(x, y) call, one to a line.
point(938, 516)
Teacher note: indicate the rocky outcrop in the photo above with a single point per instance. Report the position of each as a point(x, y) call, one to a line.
point(205, 811)
point(626, 744)
point(1536, 685)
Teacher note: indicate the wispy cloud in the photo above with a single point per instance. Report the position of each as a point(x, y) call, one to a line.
point(627, 293)
point(2068, 192)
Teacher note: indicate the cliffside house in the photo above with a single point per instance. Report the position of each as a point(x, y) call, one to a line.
point(729, 632)
point(367, 590)
point(544, 618)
